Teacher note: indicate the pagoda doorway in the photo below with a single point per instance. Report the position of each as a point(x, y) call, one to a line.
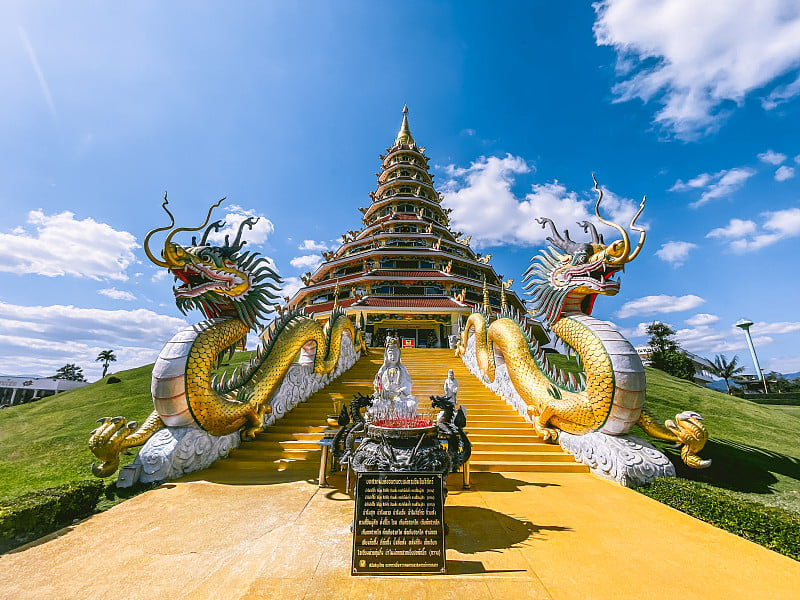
point(411, 333)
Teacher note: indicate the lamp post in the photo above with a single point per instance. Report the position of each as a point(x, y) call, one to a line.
point(745, 324)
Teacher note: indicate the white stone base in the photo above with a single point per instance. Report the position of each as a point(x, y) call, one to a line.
point(627, 459)
point(175, 451)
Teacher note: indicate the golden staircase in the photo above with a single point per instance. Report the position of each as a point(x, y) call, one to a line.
point(502, 441)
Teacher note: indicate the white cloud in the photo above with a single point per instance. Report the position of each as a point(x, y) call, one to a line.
point(308, 261)
point(784, 364)
point(700, 181)
point(702, 319)
point(675, 253)
point(781, 94)
point(716, 185)
point(797, 159)
point(736, 228)
point(699, 59)
point(62, 245)
point(40, 339)
point(290, 286)
point(634, 332)
point(704, 340)
point(116, 294)
point(159, 275)
point(233, 219)
point(654, 305)
point(778, 225)
point(783, 173)
point(771, 157)
point(313, 246)
point(468, 132)
point(779, 327)
point(485, 206)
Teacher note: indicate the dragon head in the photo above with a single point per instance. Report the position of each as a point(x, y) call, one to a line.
point(568, 276)
point(221, 281)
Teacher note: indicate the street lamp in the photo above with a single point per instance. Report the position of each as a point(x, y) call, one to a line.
point(745, 325)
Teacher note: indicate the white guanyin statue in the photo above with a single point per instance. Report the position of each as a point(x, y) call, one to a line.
point(392, 385)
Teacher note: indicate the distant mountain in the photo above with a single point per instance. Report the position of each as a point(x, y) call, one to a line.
point(718, 385)
point(23, 375)
point(791, 376)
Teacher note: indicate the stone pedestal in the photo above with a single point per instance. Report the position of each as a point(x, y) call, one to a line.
point(175, 451)
point(627, 459)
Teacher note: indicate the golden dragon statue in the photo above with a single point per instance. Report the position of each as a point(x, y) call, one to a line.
point(608, 395)
point(233, 289)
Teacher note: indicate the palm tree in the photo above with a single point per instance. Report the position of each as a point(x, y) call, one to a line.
point(106, 357)
point(726, 370)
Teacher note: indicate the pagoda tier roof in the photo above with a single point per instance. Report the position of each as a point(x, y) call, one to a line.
point(421, 274)
point(328, 306)
point(397, 273)
point(388, 302)
point(411, 302)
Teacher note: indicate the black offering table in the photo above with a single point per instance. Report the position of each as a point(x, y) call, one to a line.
point(399, 523)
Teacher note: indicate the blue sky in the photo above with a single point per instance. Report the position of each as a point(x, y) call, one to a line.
point(285, 107)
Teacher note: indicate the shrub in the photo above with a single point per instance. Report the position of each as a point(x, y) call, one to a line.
point(773, 528)
point(788, 398)
point(33, 515)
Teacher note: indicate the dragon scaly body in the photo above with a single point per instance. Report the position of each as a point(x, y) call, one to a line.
point(233, 290)
point(608, 395)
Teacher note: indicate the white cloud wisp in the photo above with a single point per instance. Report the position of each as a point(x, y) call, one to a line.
point(486, 207)
point(40, 339)
point(698, 60)
point(63, 245)
point(654, 305)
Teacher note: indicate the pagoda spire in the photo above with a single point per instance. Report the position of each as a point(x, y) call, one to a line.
point(404, 135)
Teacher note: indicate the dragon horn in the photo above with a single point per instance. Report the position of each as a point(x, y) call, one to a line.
point(597, 238)
point(626, 249)
point(567, 245)
point(160, 263)
point(641, 230)
point(179, 229)
point(237, 243)
point(216, 226)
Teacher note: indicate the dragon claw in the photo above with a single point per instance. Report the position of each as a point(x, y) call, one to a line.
point(689, 429)
point(106, 443)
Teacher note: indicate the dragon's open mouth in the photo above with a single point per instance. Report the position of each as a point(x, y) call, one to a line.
point(597, 276)
point(196, 279)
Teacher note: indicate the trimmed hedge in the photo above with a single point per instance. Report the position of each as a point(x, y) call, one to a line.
point(789, 398)
point(773, 528)
point(33, 515)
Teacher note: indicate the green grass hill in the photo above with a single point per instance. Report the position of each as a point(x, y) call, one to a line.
point(754, 447)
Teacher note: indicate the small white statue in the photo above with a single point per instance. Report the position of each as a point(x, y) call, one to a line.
point(451, 386)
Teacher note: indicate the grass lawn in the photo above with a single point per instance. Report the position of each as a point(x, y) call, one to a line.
point(44, 443)
point(787, 408)
point(754, 447)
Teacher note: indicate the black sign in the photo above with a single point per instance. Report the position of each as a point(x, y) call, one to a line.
point(399, 523)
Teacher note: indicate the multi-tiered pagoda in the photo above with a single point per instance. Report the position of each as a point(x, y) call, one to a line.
point(405, 271)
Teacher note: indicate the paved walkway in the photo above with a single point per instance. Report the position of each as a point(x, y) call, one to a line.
point(515, 535)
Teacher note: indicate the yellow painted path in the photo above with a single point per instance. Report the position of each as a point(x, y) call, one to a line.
point(562, 536)
point(261, 528)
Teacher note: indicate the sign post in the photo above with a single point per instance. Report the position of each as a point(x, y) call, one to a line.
point(399, 523)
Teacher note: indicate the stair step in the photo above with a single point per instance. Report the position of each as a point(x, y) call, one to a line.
point(502, 440)
point(518, 466)
point(484, 456)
